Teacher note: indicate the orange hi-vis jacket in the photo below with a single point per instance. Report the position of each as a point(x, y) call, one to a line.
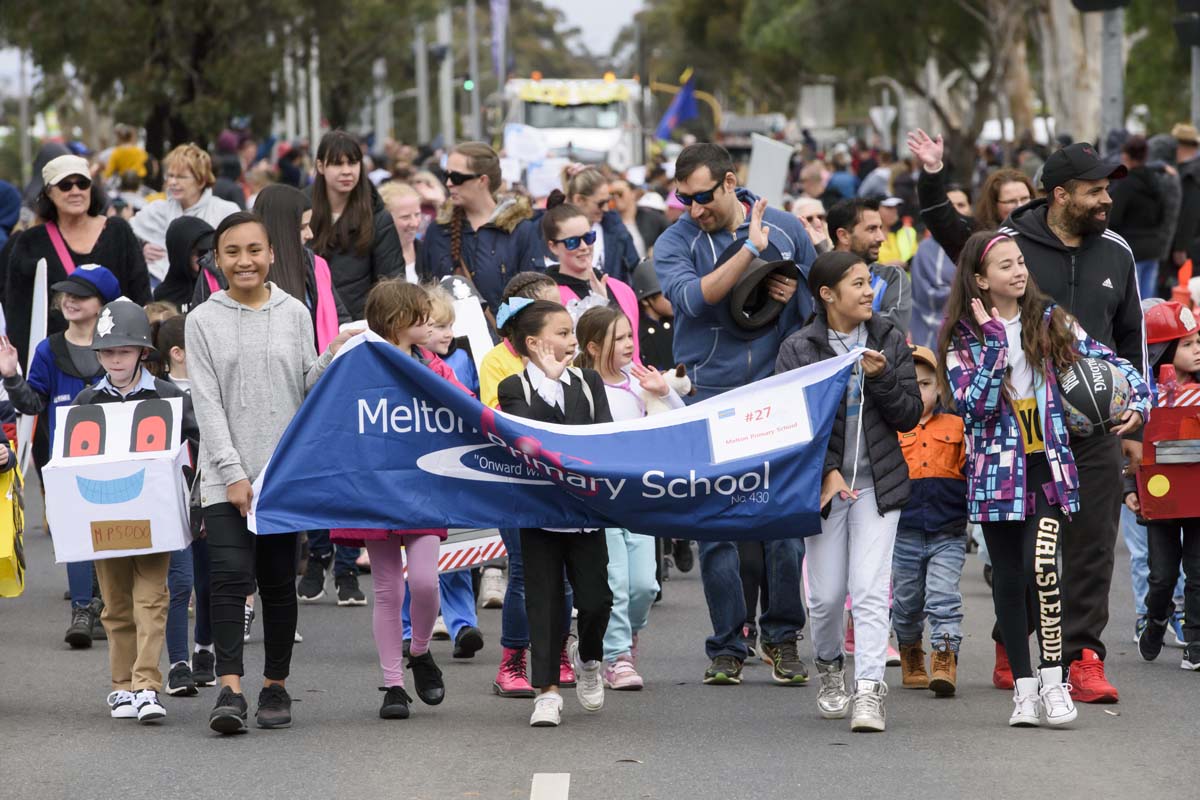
point(936, 454)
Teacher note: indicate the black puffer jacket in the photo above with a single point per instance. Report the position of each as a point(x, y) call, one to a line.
point(1138, 212)
point(891, 403)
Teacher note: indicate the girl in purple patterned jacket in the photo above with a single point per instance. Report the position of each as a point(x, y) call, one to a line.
point(1001, 372)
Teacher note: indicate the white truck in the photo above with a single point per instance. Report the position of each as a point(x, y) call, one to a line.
point(593, 121)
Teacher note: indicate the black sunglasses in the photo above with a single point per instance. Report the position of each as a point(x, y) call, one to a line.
point(573, 242)
point(811, 219)
point(703, 198)
point(459, 178)
point(76, 182)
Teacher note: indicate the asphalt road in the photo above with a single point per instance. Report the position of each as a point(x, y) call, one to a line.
point(676, 739)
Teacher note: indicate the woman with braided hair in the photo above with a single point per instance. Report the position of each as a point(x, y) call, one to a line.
point(476, 234)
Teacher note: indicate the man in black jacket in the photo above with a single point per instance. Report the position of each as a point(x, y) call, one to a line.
point(1089, 271)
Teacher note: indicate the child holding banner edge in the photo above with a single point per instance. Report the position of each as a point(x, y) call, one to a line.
point(399, 312)
point(865, 485)
point(606, 345)
point(548, 390)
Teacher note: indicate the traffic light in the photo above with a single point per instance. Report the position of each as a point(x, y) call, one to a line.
point(468, 84)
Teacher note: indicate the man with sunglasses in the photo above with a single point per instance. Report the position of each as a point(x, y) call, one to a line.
point(699, 261)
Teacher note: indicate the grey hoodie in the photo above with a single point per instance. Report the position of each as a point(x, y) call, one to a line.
point(250, 369)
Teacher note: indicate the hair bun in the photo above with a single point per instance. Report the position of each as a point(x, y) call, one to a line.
point(556, 198)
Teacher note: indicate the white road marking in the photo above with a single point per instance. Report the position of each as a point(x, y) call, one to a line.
point(550, 786)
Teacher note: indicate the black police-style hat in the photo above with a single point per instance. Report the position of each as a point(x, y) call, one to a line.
point(1078, 162)
point(750, 302)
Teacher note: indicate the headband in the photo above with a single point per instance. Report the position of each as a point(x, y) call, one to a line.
point(510, 308)
point(991, 242)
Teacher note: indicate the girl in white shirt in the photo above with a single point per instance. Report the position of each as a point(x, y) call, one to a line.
point(606, 345)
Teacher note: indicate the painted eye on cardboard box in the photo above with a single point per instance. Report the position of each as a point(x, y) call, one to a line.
point(84, 432)
point(151, 427)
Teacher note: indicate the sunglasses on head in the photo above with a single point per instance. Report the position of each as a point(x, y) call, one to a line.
point(573, 242)
point(459, 178)
point(74, 182)
point(703, 198)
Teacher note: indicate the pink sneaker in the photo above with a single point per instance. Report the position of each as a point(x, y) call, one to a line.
point(511, 679)
point(848, 647)
point(621, 675)
point(566, 671)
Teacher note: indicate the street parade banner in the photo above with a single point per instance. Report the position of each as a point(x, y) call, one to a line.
point(383, 442)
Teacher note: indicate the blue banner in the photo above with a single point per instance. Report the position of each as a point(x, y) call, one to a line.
point(383, 442)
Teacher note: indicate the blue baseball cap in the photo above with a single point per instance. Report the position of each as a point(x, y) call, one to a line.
point(91, 280)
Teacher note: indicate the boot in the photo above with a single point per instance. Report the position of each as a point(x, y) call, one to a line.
point(944, 672)
point(1002, 677)
point(912, 666)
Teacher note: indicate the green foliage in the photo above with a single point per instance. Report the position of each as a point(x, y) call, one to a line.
point(1157, 68)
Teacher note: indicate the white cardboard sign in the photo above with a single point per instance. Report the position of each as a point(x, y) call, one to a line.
point(115, 485)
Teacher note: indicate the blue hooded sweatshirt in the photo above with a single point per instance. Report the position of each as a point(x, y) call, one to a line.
point(719, 355)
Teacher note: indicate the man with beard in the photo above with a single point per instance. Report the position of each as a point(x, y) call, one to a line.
point(1089, 271)
point(699, 261)
point(857, 227)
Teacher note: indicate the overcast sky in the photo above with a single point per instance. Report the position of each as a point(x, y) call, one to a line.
point(600, 20)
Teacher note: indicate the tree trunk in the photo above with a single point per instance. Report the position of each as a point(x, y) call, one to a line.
point(1069, 42)
point(1019, 86)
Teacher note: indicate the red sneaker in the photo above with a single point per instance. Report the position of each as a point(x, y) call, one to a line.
point(512, 680)
point(566, 672)
point(1002, 673)
point(1088, 684)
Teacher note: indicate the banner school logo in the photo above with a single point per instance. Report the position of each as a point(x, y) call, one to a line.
point(383, 442)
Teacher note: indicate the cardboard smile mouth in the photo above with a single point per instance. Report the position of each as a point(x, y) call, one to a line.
point(111, 492)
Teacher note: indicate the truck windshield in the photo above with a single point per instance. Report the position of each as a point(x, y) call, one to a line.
point(591, 115)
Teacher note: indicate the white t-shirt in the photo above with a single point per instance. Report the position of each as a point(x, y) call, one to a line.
point(1024, 384)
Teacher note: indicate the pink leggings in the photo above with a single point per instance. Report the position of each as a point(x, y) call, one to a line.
point(387, 573)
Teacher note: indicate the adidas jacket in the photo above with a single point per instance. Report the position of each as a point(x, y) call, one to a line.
point(1096, 282)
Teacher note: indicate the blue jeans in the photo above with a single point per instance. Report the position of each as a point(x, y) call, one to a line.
point(189, 570)
point(727, 603)
point(926, 569)
point(458, 603)
point(631, 564)
point(1147, 277)
point(1139, 563)
point(320, 547)
point(79, 581)
point(514, 622)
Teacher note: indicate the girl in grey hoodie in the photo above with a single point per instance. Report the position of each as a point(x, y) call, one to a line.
point(251, 359)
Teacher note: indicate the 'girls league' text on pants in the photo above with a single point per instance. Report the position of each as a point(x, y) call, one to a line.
point(852, 554)
point(1025, 570)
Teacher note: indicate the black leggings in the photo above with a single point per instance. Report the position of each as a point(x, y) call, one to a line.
point(1167, 551)
point(237, 559)
point(585, 557)
point(752, 559)
point(1025, 571)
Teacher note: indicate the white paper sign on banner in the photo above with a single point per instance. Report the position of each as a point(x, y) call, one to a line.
point(543, 177)
point(758, 423)
point(769, 162)
point(524, 143)
point(115, 485)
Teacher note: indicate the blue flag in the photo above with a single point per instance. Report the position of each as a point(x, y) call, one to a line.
point(682, 108)
point(383, 442)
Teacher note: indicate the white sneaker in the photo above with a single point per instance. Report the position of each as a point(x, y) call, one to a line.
point(833, 700)
point(1027, 704)
point(1056, 697)
point(120, 704)
point(492, 587)
point(589, 680)
point(869, 714)
point(148, 707)
point(440, 631)
point(547, 711)
point(297, 638)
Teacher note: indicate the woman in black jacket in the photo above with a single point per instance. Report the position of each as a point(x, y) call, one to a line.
point(865, 482)
point(1138, 213)
point(351, 228)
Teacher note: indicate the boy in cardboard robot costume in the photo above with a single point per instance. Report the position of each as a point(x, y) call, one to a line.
point(134, 585)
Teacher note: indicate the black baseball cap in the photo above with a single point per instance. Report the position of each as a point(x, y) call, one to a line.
point(1078, 162)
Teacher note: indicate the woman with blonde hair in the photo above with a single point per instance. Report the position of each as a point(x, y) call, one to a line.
point(614, 252)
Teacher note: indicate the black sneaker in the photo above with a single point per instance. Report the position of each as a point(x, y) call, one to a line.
point(229, 714)
point(204, 665)
point(274, 707)
point(98, 632)
point(427, 678)
point(348, 592)
point(180, 682)
point(395, 703)
point(311, 587)
point(79, 633)
point(724, 671)
point(681, 552)
point(1150, 642)
point(786, 666)
point(1191, 657)
point(407, 648)
point(468, 642)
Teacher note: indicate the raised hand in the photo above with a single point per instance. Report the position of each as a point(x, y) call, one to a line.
point(928, 151)
point(981, 315)
point(541, 353)
point(817, 230)
point(758, 233)
point(9, 360)
point(651, 380)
